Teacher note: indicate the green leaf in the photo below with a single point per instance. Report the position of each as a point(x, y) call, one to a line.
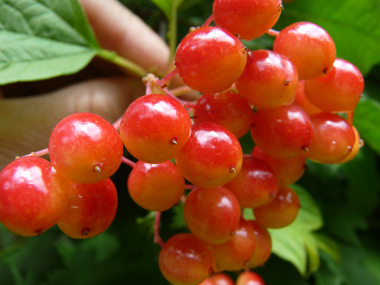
point(167, 6)
point(297, 242)
point(353, 24)
point(366, 120)
point(41, 39)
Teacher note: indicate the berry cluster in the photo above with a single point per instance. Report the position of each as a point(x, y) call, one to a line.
point(291, 99)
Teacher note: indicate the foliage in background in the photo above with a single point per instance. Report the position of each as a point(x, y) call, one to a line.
point(333, 241)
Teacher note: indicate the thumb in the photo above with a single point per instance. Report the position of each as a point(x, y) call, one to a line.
point(26, 123)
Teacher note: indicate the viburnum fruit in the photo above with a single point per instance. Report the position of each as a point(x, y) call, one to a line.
point(211, 157)
point(210, 59)
point(248, 19)
point(91, 209)
point(85, 148)
point(287, 171)
point(218, 279)
point(333, 139)
point(284, 132)
point(154, 128)
point(212, 215)
point(309, 47)
point(234, 254)
point(269, 80)
point(338, 91)
point(185, 260)
point(228, 109)
point(281, 212)
point(249, 278)
point(263, 249)
point(303, 102)
point(156, 187)
point(33, 197)
point(256, 184)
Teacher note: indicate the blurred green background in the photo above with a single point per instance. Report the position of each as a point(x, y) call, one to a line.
point(346, 196)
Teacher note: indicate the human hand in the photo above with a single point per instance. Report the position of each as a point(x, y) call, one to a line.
point(26, 122)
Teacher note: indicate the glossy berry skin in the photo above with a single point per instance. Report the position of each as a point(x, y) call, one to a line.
point(154, 128)
point(218, 279)
point(256, 184)
point(248, 19)
point(156, 187)
point(212, 215)
point(303, 102)
point(185, 260)
point(234, 254)
point(309, 47)
point(211, 157)
point(91, 209)
point(269, 80)
point(281, 212)
point(338, 91)
point(333, 139)
point(355, 149)
point(210, 59)
point(33, 196)
point(284, 132)
point(263, 249)
point(249, 278)
point(228, 109)
point(85, 148)
point(287, 171)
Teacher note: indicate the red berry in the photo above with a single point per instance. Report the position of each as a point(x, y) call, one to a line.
point(156, 187)
point(212, 215)
point(210, 59)
point(263, 249)
point(90, 210)
point(154, 128)
point(249, 278)
point(281, 212)
point(256, 184)
point(185, 260)
point(211, 157)
point(269, 80)
point(284, 132)
point(33, 197)
point(309, 47)
point(85, 148)
point(228, 109)
point(339, 90)
point(248, 19)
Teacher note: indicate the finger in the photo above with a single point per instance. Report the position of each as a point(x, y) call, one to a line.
point(118, 29)
point(26, 123)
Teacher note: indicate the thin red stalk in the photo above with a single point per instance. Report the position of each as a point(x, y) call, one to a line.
point(208, 21)
point(247, 155)
point(167, 92)
point(272, 32)
point(116, 124)
point(36, 153)
point(148, 89)
point(165, 81)
point(183, 199)
point(128, 162)
point(157, 238)
point(190, 186)
point(350, 117)
point(191, 105)
point(181, 90)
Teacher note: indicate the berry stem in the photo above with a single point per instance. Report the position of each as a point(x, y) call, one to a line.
point(272, 32)
point(165, 81)
point(247, 155)
point(116, 124)
point(157, 238)
point(181, 90)
point(208, 21)
point(36, 153)
point(350, 117)
point(167, 92)
point(190, 186)
point(128, 162)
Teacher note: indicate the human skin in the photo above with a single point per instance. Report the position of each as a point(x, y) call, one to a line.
point(26, 121)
